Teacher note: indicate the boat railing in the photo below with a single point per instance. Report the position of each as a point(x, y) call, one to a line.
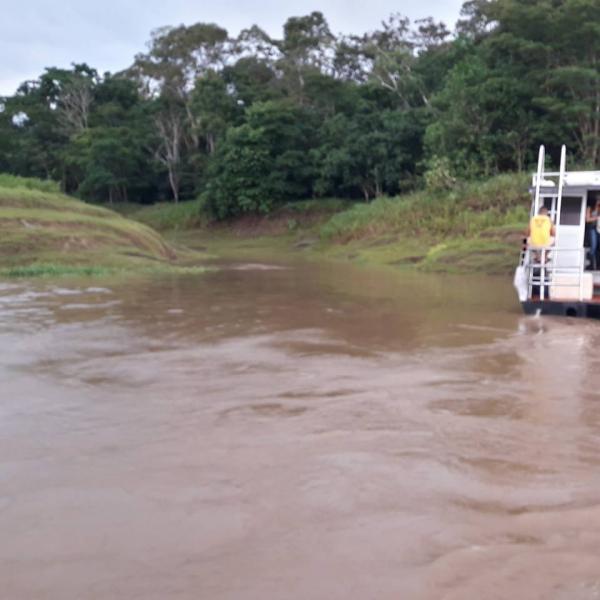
point(544, 266)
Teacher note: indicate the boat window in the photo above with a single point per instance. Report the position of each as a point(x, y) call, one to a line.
point(550, 203)
point(592, 198)
point(570, 210)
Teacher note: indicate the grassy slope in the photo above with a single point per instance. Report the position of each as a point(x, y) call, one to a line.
point(475, 227)
point(42, 230)
point(168, 216)
point(165, 216)
point(259, 236)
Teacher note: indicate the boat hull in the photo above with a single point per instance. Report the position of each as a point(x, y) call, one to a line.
point(562, 308)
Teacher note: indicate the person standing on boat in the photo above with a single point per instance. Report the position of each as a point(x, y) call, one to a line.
point(591, 219)
point(541, 230)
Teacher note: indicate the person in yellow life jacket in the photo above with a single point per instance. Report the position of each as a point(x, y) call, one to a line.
point(540, 234)
point(541, 230)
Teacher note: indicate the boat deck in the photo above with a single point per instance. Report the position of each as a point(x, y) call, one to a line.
point(594, 300)
point(589, 309)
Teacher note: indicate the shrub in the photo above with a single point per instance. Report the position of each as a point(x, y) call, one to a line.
point(29, 183)
point(438, 176)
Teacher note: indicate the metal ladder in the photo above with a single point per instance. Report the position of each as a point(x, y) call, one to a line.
point(541, 271)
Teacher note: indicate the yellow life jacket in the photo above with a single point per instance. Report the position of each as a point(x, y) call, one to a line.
point(540, 228)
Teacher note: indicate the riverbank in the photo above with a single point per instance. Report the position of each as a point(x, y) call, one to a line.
point(474, 227)
point(43, 232)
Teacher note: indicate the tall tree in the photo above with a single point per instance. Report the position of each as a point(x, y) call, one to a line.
point(263, 162)
point(214, 107)
point(170, 122)
point(178, 56)
point(307, 46)
point(369, 153)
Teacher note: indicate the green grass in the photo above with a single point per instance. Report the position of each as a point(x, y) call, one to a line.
point(191, 214)
point(55, 270)
point(320, 205)
point(28, 183)
point(167, 216)
point(473, 228)
point(471, 255)
point(60, 270)
point(465, 211)
point(44, 233)
point(476, 227)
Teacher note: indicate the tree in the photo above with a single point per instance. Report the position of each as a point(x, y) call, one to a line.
point(214, 107)
point(169, 120)
point(307, 45)
point(371, 153)
point(7, 139)
point(176, 58)
point(32, 122)
point(263, 162)
point(74, 99)
point(109, 160)
point(255, 121)
point(551, 50)
point(252, 80)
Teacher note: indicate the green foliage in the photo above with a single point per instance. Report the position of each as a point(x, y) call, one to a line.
point(213, 109)
point(438, 176)
point(166, 216)
point(470, 255)
point(54, 270)
point(263, 162)
point(316, 205)
point(465, 211)
point(530, 76)
point(43, 228)
point(28, 183)
point(252, 122)
point(252, 80)
point(369, 154)
point(109, 159)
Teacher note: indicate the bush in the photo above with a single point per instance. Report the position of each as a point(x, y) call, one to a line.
point(464, 211)
point(262, 163)
point(438, 176)
point(29, 183)
point(168, 215)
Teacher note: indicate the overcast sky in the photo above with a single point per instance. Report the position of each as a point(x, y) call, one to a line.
point(106, 34)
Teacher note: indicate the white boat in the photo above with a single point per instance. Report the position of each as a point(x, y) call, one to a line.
point(558, 279)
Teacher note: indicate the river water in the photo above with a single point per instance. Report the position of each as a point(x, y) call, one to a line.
point(300, 430)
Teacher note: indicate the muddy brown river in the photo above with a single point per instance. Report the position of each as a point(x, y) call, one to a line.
point(295, 431)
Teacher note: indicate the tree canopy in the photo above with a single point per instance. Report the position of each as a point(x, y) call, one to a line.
point(250, 121)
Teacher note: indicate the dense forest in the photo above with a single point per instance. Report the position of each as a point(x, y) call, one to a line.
point(249, 122)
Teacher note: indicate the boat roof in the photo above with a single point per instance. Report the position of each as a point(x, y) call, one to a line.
point(583, 178)
point(573, 179)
